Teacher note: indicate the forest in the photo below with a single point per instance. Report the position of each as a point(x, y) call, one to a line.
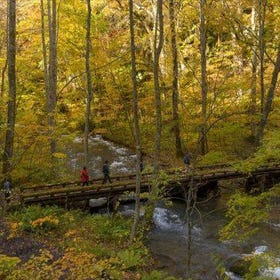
point(208, 83)
point(161, 78)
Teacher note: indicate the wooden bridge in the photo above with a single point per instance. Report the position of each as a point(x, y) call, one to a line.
point(204, 178)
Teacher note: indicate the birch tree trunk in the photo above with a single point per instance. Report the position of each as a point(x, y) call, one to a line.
point(175, 85)
point(89, 82)
point(136, 122)
point(204, 86)
point(11, 114)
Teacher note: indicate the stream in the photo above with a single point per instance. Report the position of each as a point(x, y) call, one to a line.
point(167, 240)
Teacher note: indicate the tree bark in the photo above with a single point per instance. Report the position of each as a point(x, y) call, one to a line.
point(89, 82)
point(11, 114)
point(3, 72)
point(261, 45)
point(52, 83)
point(175, 82)
point(136, 122)
point(44, 50)
point(253, 105)
point(204, 86)
point(157, 48)
point(269, 98)
point(158, 45)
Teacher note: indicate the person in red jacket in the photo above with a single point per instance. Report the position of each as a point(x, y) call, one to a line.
point(84, 176)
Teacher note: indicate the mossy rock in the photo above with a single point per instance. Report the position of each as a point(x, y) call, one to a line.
point(240, 266)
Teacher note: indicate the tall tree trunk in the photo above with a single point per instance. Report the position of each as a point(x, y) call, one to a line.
point(158, 45)
point(204, 86)
point(237, 57)
point(261, 22)
point(89, 82)
point(253, 105)
point(175, 86)
point(3, 72)
point(51, 106)
point(11, 115)
point(136, 122)
point(44, 50)
point(157, 48)
point(269, 97)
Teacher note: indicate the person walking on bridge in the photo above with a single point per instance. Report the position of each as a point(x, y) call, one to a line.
point(106, 172)
point(84, 176)
point(7, 190)
point(187, 161)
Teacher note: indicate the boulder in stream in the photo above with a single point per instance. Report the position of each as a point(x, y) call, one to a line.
point(97, 202)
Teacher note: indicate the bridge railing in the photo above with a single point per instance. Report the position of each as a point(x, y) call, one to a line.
point(77, 184)
point(118, 178)
point(113, 178)
point(74, 191)
point(80, 192)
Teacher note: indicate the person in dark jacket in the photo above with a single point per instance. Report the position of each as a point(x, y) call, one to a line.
point(187, 161)
point(106, 172)
point(7, 190)
point(84, 176)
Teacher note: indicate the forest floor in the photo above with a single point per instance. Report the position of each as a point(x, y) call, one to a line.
point(50, 243)
point(23, 247)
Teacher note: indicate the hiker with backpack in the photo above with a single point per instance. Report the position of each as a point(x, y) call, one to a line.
point(106, 172)
point(187, 161)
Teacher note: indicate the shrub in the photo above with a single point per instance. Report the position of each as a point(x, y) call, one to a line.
point(108, 229)
point(130, 259)
point(214, 157)
point(38, 219)
point(7, 264)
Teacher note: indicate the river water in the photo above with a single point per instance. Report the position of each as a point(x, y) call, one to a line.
point(168, 238)
point(121, 159)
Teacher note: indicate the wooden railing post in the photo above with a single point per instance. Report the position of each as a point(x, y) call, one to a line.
point(67, 201)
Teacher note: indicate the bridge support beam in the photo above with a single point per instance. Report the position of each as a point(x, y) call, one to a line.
point(203, 190)
point(207, 190)
point(261, 182)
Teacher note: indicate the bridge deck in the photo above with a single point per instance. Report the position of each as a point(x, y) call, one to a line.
point(73, 191)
